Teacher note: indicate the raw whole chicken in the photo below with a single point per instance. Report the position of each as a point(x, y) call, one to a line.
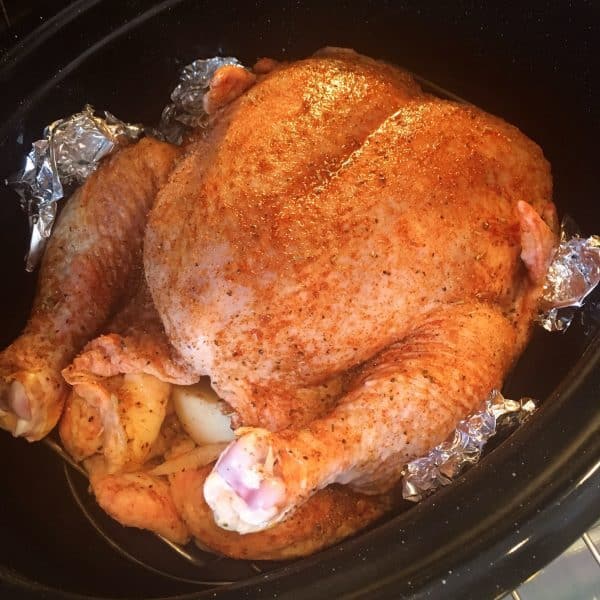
point(353, 263)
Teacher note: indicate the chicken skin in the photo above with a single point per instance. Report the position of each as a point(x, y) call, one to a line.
point(354, 264)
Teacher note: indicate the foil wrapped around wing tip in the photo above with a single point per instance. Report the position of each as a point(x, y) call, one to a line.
point(186, 109)
point(447, 460)
point(69, 151)
point(572, 276)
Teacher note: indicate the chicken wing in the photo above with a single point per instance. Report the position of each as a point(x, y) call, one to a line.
point(140, 500)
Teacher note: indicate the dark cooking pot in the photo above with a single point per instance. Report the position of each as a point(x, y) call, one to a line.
point(533, 494)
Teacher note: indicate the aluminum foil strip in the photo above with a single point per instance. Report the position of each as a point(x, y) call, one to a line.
point(572, 276)
point(446, 461)
point(69, 151)
point(186, 109)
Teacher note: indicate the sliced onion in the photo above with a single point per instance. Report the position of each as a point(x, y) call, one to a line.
point(196, 458)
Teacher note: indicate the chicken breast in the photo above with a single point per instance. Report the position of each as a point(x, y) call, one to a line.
point(244, 226)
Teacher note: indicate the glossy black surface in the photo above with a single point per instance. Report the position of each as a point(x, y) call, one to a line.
point(535, 492)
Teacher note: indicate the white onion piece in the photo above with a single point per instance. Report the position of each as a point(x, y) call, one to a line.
point(199, 410)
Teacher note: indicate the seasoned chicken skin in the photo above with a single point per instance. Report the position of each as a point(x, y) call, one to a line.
point(355, 265)
point(120, 382)
point(243, 239)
